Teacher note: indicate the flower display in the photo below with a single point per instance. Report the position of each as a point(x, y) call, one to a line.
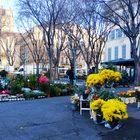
point(75, 99)
point(129, 93)
point(94, 80)
point(5, 92)
point(96, 105)
point(43, 79)
point(102, 77)
point(110, 75)
point(114, 109)
point(95, 97)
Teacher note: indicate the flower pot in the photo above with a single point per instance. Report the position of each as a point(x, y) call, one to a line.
point(99, 118)
point(85, 96)
point(114, 125)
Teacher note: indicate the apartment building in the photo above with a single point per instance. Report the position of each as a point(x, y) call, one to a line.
point(117, 46)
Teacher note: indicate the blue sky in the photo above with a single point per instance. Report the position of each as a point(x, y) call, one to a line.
point(8, 3)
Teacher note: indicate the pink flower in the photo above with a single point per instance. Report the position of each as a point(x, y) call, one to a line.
point(43, 79)
point(5, 92)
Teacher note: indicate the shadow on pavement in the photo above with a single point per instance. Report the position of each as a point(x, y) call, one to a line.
point(129, 131)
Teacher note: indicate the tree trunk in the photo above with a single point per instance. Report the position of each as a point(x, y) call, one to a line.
point(88, 67)
point(96, 68)
point(136, 61)
point(137, 73)
point(56, 72)
point(51, 70)
point(37, 69)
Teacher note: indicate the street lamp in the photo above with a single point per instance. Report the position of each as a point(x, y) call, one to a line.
point(74, 61)
point(82, 44)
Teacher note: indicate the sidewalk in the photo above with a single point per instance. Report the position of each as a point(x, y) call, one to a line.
point(130, 128)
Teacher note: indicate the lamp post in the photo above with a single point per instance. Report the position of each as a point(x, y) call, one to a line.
point(74, 62)
point(25, 61)
point(82, 44)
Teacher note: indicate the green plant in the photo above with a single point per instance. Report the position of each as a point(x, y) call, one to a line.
point(32, 81)
point(107, 94)
point(47, 74)
point(28, 95)
point(17, 84)
point(16, 88)
point(55, 91)
point(44, 87)
point(138, 95)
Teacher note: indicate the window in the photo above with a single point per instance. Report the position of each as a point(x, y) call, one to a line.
point(109, 54)
point(124, 51)
point(112, 35)
point(118, 33)
point(116, 52)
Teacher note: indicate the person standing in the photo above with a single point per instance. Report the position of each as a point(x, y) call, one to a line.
point(70, 74)
point(91, 70)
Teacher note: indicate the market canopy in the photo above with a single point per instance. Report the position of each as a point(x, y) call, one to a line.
point(120, 62)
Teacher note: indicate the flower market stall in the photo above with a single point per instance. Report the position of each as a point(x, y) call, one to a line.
point(106, 106)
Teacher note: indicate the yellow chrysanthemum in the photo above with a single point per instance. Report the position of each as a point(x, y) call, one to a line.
point(94, 80)
point(114, 109)
point(96, 104)
point(110, 75)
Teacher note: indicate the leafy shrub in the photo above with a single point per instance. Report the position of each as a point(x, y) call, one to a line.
point(55, 91)
point(28, 95)
point(16, 88)
point(32, 81)
point(17, 84)
point(44, 87)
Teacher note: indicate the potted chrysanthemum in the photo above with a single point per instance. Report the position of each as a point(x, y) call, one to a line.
point(114, 111)
point(95, 107)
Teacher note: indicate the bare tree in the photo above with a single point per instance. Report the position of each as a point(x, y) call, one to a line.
point(9, 46)
point(72, 52)
point(49, 15)
point(92, 32)
point(32, 41)
point(126, 15)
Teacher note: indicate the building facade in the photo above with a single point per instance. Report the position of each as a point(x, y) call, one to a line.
point(117, 46)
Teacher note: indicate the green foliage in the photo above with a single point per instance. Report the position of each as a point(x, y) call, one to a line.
point(47, 74)
point(33, 94)
point(110, 66)
point(44, 87)
point(70, 89)
point(138, 95)
point(32, 81)
point(3, 73)
point(17, 84)
point(55, 91)
point(28, 95)
point(107, 94)
point(79, 89)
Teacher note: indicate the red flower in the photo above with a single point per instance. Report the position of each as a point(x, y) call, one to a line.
point(95, 97)
point(5, 92)
point(43, 79)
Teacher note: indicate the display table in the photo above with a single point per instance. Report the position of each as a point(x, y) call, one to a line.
point(84, 107)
